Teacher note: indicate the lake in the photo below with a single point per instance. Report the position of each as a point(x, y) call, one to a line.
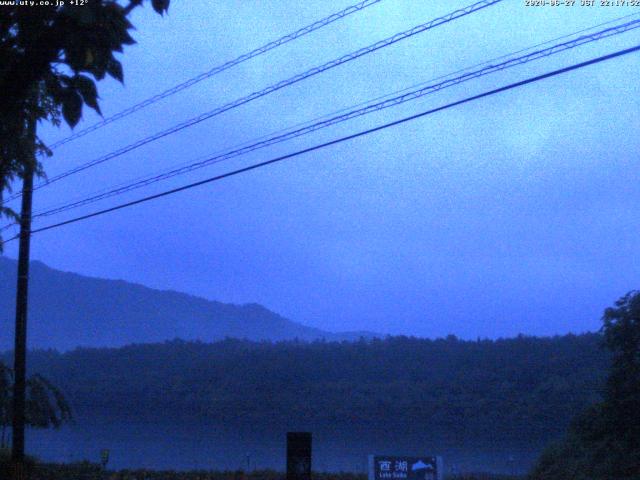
point(185, 447)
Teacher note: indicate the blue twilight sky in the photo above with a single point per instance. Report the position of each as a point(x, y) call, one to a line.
point(519, 213)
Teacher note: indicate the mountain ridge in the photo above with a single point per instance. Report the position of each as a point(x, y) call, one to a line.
point(67, 310)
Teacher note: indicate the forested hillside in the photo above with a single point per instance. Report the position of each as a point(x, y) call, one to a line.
point(520, 389)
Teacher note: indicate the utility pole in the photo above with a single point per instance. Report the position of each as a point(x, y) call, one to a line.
point(27, 152)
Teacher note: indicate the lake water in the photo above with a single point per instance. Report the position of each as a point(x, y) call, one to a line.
point(185, 447)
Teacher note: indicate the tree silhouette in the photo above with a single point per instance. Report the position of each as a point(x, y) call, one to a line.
point(45, 405)
point(50, 59)
point(603, 441)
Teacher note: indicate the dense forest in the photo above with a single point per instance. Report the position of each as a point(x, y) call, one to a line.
point(512, 390)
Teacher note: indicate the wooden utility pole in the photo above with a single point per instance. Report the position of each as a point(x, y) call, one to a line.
point(27, 151)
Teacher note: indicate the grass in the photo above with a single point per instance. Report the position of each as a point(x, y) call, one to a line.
point(92, 471)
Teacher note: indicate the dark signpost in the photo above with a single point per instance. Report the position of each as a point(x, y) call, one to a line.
point(395, 467)
point(298, 455)
point(104, 458)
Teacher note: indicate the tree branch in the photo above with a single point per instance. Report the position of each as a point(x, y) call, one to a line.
point(132, 4)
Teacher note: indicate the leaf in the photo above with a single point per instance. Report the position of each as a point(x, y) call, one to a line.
point(117, 38)
point(84, 15)
point(42, 148)
point(126, 39)
point(88, 58)
point(88, 91)
point(99, 64)
point(160, 6)
point(114, 68)
point(98, 73)
point(53, 84)
point(75, 56)
point(72, 107)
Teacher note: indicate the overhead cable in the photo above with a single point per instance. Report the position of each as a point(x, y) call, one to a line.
point(271, 89)
point(358, 112)
point(218, 69)
point(495, 91)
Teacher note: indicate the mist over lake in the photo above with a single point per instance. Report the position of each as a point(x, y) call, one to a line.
point(214, 447)
point(482, 405)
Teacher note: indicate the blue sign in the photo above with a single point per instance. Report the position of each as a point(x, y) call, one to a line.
point(394, 467)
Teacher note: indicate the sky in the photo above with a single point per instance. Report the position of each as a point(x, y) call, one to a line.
point(514, 214)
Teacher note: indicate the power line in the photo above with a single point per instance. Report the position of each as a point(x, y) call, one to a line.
point(273, 88)
point(488, 93)
point(344, 109)
point(130, 183)
point(220, 68)
point(370, 108)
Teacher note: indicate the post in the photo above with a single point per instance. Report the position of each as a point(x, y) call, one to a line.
point(298, 456)
point(20, 350)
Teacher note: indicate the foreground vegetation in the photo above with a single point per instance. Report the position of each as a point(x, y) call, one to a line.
point(91, 471)
point(602, 442)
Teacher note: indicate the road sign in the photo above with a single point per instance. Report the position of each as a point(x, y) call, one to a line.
point(396, 467)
